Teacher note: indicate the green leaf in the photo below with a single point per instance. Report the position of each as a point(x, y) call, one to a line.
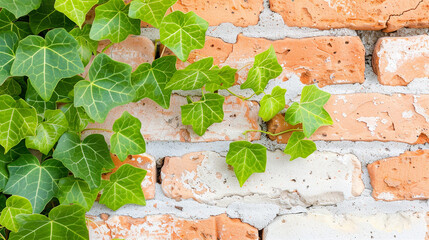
point(150, 80)
point(46, 17)
point(64, 87)
point(109, 87)
point(86, 159)
point(8, 44)
point(37, 183)
point(5, 159)
point(17, 121)
point(76, 117)
point(194, 76)
point(182, 33)
point(246, 158)
point(310, 111)
point(8, 23)
point(20, 8)
point(48, 132)
point(112, 22)
point(76, 191)
point(298, 147)
point(204, 113)
point(225, 79)
point(10, 87)
point(76, 10)
point(15, 205)
point(87, 46)
point(265, 68)
point(34, 100)
point(272, 104)
point(150, 11)
point(64, 222)
point(47, 61)
point(127, 139)
point(124, 187)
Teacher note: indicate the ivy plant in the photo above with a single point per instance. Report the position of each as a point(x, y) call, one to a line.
point(50, 175)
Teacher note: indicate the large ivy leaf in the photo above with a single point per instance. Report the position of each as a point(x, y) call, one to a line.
point(17, 121)
point(8, 23)
point(10, 87)
point(109, 86)
point(64, 222)
point(124, 187)
point(204, 113)
point(127, 139)
point(246, 158)
point(150, 80)
point(76, 10)
point(310, 111)
point(225, 79)
point(265, 68)
point(5, 159)
point(86, 159)
point(8, 44)
point(47, 61)
point(15, 205)
point(20, 8)
point(37, 183)
point(150, 11)
point(272, 103)
point(46, 17)
point(87, 46)
point(298, 147)
point(182, 33)
point(76, 117)
point(48, 132)
point(112, 22)
point(76, 191)
point(194, 76)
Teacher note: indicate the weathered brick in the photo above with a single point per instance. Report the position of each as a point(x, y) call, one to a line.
point(322, 60)
point(389, 15)
point(168, 227)
point(398, 61)
point(160, 124)
point(401, 178)
point(370, 117)
point(321, 179)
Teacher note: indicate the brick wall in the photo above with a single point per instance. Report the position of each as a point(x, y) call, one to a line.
point(369, 178)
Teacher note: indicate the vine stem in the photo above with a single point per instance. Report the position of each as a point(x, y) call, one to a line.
point(108, 46)
point(98, 129)
point(247, 65)
point(163, 50)
point(273, 134)
point(241, 97)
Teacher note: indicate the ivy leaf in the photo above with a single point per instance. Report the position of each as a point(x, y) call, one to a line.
point(64, 222)
point(112, 22)
point(10, 87)
point(47, 61)
point(17, 121)
point(298, 147)
point(272, 103)
point(48, 132)
point(310, 111)
point(8, 44)
point(225, 80)
point(76, 191)
point(150, 80)
point(124, 187)
point(64, 87)
point(15, 205)
point(204, 113)
point(246, 158)
point(265, 68)
point(194, 76)
point(5, 159)
point(76, 117)
point(20, 8)
point(37, 183)
point(34, 100)
point(150, 11)
point(76, 10)
point(46, 17)
point(109, 86)
point(87, 46)
point(86, 159)
point(183, 33)
point(8, 23)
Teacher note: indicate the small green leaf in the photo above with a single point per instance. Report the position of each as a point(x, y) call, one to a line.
point(47, 61)
point(46, 17)
point(298, 147)
point(8, 44)
point(76, 10)
point(204, 113)
point(112, 22)
point(76, 191)
point(272, 104)
point(17, 121)
point(48, 132)
point(64, 87)
point(109, 87)
point(87, 46)
point(265, 68)
point(150, 11)
point(20, 8)
point(246, 158)
point(127, 139)
point(150, 80)
point(124, 187)
point(8, 23)
point(225, 79)
point(182, 33)
point(86, 159)
point(15, 205)
point(37, 183)
point(76, 117)
point(310, 111)
point(194, 76)
point(10, 87)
